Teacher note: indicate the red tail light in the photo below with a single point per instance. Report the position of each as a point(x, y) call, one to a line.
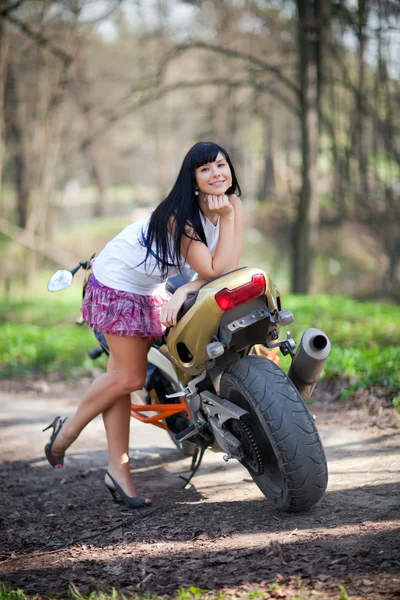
point(227, 299)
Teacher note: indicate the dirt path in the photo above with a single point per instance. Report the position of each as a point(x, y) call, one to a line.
point(61, 527)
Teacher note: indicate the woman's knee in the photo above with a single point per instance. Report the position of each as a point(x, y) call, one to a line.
point(130, 382)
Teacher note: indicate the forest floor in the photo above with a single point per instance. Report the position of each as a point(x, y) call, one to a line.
point(60, 530)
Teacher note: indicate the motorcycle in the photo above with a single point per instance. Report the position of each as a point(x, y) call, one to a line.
point(207, 388)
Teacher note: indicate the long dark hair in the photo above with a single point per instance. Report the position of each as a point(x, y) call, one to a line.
point(181, 204)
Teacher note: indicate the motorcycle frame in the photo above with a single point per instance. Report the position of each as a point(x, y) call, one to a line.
point(172, 367)
point(163, 411)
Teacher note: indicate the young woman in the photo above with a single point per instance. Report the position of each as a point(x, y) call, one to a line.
point(199, 223)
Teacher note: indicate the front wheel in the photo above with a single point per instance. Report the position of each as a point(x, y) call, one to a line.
point(283, 451)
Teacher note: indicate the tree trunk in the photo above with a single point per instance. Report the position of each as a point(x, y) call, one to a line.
point(3, 67)
point(92, 150)
point(232, 127)
point(361, 151)
point(307, 221)
point(268, 182)
point(48, 176)
point(390, 279)
point(99, 180)
point(16, 133)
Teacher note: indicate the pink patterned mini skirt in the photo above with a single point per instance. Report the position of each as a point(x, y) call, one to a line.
point(122, 313)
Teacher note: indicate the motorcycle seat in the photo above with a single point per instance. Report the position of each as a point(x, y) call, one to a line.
point(173, 283)
point(191, 299)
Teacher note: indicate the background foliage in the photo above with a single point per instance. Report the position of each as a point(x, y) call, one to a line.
point(99, 101)
point(40, 338)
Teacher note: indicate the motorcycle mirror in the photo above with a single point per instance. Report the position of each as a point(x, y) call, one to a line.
point(60, 280)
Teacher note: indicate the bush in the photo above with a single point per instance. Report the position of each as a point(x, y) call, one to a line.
point(365, 339)
point(30, 349)
point(39, 336)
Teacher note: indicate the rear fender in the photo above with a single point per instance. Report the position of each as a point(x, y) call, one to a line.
point(188, 340)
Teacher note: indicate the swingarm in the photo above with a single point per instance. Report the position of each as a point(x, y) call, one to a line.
point(209, 409)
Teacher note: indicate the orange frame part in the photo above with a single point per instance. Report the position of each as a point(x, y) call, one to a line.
point(162, 412)
point(271, 354)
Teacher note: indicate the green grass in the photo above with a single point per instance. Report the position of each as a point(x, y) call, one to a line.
point(28, 349)
point(343, 593)
point(193, 592)
point(348, 322)
point(365, 339)
point(7, 593)
point(39, 335)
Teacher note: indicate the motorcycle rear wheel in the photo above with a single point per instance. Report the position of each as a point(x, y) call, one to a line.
point(285, 456)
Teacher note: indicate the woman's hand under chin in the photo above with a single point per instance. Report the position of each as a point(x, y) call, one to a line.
point(219, 205)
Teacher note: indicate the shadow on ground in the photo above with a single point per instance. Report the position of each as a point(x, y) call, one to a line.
point(62, 527)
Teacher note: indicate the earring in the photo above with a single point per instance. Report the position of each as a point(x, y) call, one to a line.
point(196, 192)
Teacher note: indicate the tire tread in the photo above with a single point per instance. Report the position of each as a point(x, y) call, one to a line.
point(289, 427)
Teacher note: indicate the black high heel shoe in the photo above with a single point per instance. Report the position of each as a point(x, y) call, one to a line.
point(56, 460)
point(119, 495)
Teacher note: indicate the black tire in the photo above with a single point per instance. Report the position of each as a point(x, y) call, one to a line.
point(291, 470)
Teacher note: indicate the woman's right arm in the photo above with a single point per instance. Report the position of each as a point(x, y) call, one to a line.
point(198, 256)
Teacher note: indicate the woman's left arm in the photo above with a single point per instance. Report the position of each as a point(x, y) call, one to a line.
point(238, 230)
point(169, 311)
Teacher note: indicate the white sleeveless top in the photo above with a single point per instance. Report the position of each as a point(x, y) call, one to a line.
point(121, 264)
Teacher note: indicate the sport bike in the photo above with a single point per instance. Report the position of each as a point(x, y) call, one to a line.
point(207, 388)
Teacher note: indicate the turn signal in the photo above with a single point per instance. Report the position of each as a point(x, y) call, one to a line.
point(215, 349)
point(227, 299)
point(285, 317)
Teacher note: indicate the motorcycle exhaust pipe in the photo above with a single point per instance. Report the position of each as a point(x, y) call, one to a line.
point(309, 361)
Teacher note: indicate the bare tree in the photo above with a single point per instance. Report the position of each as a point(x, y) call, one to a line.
point(83, 95)
point(3, 65)
point(306, 226)
point(267, 186)
point(17, 132)
point(370, 132)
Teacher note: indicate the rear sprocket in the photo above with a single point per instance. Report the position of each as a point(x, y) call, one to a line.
point(252, 454)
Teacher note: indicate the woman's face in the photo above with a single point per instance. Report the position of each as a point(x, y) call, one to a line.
point(214, 177)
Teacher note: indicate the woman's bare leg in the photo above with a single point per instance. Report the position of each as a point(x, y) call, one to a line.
point(117, 423)
point(128, 375)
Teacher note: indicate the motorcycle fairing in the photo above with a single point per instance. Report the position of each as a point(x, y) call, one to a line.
point(188, 340)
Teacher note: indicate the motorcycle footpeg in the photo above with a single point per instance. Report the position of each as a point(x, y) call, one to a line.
point(95, 353)
point(187, 433)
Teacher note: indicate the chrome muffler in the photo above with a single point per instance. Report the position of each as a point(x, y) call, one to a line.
point(309, 360)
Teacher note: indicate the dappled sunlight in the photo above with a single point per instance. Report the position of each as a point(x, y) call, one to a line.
point(99, 102)
point(194, 536)
point(212, 563)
